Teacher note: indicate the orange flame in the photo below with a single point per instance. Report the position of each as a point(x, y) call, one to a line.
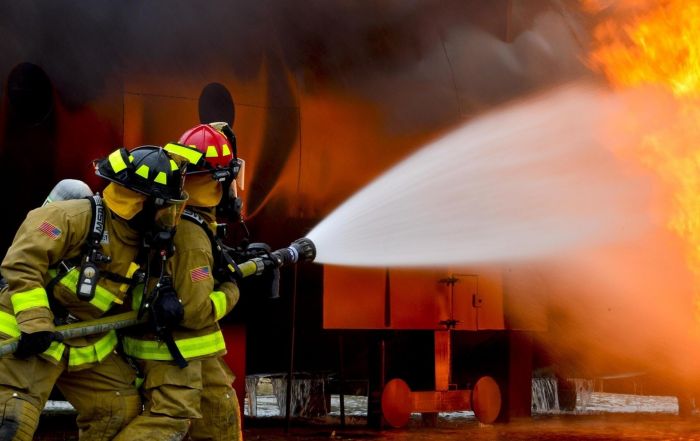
point(660, 46)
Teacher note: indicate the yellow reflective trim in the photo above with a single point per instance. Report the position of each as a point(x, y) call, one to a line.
point(8, 324)
point(189, 347)
point(93, 353)
point(103, 299)
point(33, 298)
point(133, 266)
point(225, 151)
point(173, 165)
point(192, 155)
point(211, 152)
point(131, 158)
point(116, 161)
point(218, 298)
point(161, 178)
point(136, 295)
point(142, 171)
point(55, 350)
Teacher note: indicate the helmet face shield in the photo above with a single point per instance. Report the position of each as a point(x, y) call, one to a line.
point(239, 177)
point(168, 216)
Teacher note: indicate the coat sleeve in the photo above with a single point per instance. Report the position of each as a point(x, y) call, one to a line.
point(204, 304)
point(224, 298)
point(45, 237)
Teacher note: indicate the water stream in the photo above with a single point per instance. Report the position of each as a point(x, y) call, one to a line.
point(531, 179)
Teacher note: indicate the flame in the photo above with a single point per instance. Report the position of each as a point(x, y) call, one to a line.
point(659, 46)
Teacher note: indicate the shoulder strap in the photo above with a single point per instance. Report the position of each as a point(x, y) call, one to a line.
point(224, 264)
point(97, 223)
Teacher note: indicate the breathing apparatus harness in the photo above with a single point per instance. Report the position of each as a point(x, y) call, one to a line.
point(227, 259)
point(89, 273)
point(165, 311)
point(162, 303)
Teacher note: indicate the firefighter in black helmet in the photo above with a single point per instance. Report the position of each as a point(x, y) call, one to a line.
point(193, 393)
point(45, 269)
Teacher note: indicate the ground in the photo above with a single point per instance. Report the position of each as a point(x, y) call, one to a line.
point(599, 427)
point(598, 417)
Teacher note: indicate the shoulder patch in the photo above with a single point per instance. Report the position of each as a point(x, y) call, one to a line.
point(201, 273)
point(50, 230)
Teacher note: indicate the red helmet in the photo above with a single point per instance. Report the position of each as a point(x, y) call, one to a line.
point(215, 146)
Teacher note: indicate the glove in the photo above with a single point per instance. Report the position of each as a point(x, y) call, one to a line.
point(35, 343)
point(167, 311)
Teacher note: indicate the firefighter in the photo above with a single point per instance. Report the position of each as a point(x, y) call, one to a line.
point(74, 261)
point(191, 389)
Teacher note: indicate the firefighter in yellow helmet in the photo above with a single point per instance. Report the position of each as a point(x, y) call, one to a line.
point(191, 389)
point(73, 261)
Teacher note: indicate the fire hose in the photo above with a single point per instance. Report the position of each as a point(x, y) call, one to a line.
point(301, 250)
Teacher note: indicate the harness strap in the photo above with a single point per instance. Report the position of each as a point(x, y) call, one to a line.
point(224, 265)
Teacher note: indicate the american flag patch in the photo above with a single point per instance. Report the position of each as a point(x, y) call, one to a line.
point(201, 273)
point(50, 230)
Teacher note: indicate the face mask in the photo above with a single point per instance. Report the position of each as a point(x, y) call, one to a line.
point(167, 217)
point(203, 190)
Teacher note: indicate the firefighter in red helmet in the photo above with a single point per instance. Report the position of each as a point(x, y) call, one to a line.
point(196, 396)
point(72, 261)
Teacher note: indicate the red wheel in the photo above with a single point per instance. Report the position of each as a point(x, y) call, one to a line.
point(397, 403)
point(486, 400)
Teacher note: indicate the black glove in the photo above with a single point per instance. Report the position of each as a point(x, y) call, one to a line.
point(166, 311)
point(35, 343)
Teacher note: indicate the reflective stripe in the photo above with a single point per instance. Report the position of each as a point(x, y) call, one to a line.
point(136, 295)
point(189, 347)
point(103, 299)
point(8, 324)
point(116, 161)
point(173, 165)
point(143, 171)
point(218, 298)
point(133, 266)
point(33, 298)
point(211, 152)
point(93, 353)
point(192, 155)
point(161, 178)
point(225, 151)
point(55, 351)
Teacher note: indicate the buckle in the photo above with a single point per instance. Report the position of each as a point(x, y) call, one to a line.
point(64, 268)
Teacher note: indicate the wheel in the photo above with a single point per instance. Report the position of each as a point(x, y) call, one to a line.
point(486, 400)
point(397, 403)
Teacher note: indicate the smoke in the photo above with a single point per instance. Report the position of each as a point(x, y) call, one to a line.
point(383, 48)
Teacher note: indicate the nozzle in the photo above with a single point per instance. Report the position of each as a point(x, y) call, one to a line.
point(301, 250)
point(305, 249)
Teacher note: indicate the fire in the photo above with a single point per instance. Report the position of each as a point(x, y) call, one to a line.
point(660, 47)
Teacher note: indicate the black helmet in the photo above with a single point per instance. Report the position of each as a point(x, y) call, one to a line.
point(149, 170)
